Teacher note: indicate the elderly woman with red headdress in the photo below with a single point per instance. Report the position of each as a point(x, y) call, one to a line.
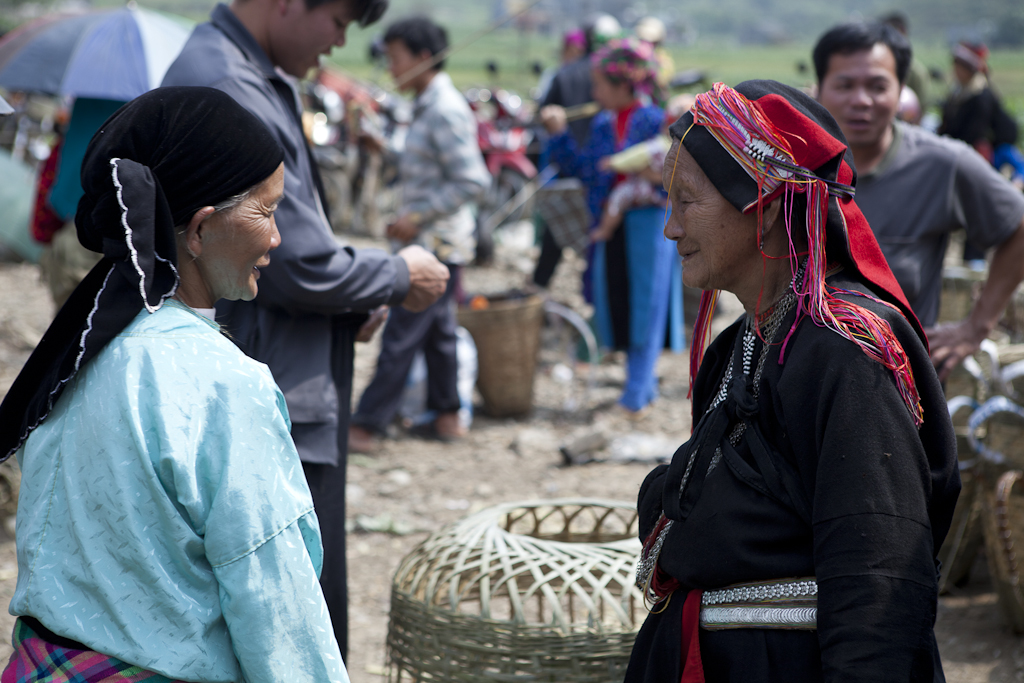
point(632, 278)
point(793, 537)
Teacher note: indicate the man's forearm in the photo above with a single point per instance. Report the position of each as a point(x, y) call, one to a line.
point(1005, 273)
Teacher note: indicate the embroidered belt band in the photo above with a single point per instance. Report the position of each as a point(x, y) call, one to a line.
point(781, 604)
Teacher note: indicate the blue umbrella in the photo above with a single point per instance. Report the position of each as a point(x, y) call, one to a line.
point(109, 54)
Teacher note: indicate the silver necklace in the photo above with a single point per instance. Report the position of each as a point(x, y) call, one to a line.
point(771, 327)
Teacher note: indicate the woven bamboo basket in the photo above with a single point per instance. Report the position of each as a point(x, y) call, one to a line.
point(1004, 532)
point(1011, 353)
point(507, 337)
point(998, 430)
point(973, 377)
point(540, 591)
point(965, 536)
point(1011, 371)
point(960, 289)
point(1013, 317)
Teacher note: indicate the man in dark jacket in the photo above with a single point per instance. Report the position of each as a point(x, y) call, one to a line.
point(315, 293)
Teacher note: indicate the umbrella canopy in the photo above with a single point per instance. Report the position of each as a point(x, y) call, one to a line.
point(108, 54)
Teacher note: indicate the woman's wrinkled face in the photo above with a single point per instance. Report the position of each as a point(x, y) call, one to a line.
point(237, 242)
point(717, 243)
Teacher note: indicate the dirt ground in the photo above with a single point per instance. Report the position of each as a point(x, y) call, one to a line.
point(411, 486)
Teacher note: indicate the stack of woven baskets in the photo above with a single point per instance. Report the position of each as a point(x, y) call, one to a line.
point(989, 422)
point(532, 591)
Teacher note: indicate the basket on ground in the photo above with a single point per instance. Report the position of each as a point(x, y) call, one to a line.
point(507, 337)
point(540, 591)
point(1004, 536)
point(964, 539)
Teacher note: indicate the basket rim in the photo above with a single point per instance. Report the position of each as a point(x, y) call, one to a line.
point(495, 512)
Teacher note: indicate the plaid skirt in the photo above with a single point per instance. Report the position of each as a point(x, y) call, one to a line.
point(36, 660)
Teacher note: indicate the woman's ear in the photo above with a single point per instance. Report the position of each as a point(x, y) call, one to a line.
point(194, 231)
point(770, 217)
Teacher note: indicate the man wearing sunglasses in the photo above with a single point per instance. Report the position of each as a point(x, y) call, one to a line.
point(315, 294)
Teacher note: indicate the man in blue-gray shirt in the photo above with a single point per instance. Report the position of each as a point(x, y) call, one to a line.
point(314, 295)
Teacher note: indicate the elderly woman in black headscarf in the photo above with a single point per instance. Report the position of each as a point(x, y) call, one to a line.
point(165, 530)
point(793, 537)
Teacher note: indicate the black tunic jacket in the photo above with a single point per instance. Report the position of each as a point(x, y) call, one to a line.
point(870, 500)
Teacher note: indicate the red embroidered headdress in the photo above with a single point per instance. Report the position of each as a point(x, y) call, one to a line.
point(764, 140)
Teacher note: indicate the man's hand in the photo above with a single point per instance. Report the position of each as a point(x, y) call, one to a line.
point(553, 119)
point(951, 343)
point(404, 230)
point(428, 278)
point(372, 324)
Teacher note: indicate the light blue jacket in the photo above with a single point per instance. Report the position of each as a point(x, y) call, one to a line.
point(164, 518)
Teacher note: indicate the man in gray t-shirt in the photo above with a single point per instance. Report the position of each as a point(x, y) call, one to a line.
point(916, 188)
point(924, 188)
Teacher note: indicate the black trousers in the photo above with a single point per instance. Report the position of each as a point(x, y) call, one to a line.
point(433, 331)
point(327, 482)
point(550, 255)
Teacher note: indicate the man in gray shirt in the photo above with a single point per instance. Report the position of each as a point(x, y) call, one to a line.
point(915, 188)
point(441, 170)
point(314, 295)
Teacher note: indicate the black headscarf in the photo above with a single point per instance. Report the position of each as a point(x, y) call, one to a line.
point(149, 168)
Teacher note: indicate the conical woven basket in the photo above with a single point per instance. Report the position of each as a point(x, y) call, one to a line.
point(540, 591)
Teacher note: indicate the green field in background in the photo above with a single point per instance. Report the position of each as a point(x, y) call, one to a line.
point(515, 53)
point(721, 61)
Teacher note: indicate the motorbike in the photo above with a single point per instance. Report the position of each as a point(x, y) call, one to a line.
point(504, 134)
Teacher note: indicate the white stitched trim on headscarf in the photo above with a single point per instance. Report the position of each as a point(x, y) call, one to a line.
point(128, 239)
point(88, 327)
point(177, 279)
point(74, 371)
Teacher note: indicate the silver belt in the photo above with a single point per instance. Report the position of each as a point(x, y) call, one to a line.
point(779, 604)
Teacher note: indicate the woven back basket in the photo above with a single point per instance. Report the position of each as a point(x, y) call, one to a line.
point(540, 591)
point(1004, 536)
point(507, 337)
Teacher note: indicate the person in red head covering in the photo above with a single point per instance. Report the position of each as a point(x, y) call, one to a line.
point(794, 536)
point(973, 112)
